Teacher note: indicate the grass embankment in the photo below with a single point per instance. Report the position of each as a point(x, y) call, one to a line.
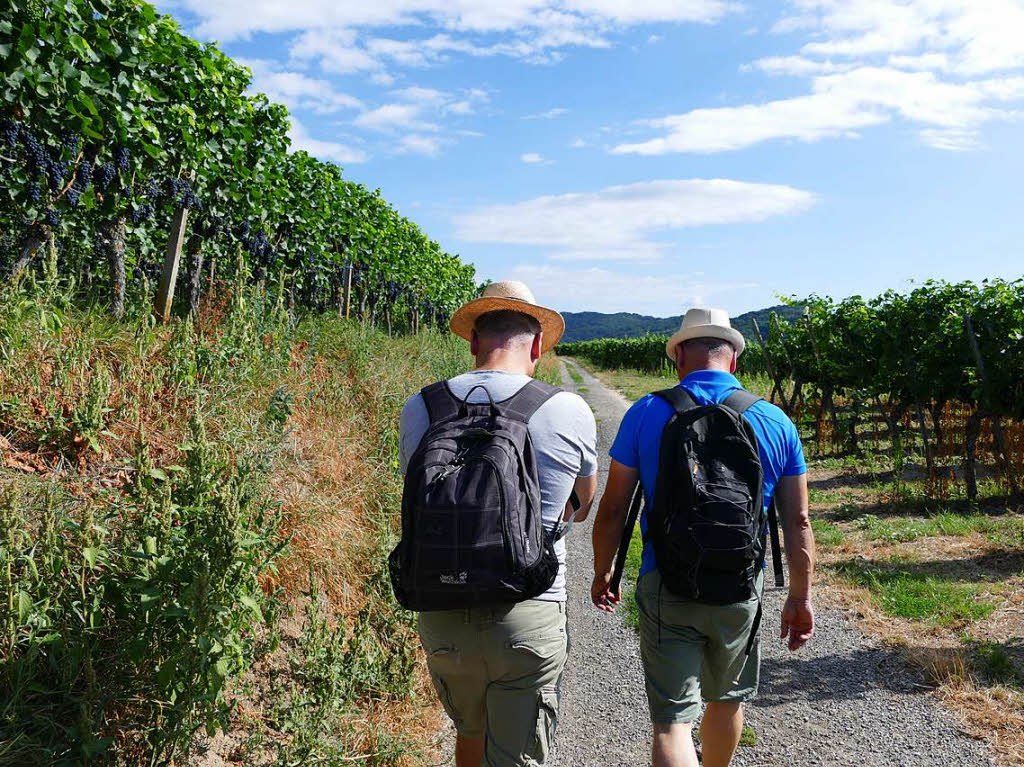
point(938, 580)
point(194, 522)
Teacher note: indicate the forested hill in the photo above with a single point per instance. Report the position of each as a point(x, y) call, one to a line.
point(584, 326)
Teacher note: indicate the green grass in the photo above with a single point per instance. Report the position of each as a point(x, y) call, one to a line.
point(903, 593)
point(574, 373)
point(174, 489)
point(748, 738)
point(946, 523)
point(633, 560)
point(826, 533)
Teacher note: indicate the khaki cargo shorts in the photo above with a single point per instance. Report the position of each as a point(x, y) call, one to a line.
point(496, 671)
point(692, 651)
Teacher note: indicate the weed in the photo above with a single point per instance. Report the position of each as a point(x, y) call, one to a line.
point(574, 373)
point(901, 592)
point(826, 533)
point(748, 738)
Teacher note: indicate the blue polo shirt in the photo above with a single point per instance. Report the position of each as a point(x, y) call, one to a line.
point(638, 443)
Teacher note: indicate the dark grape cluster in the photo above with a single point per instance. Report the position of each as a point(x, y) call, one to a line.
point(142, 213)
point(259, 247)
point(52, 217)
point(35, 193)
point(70, 142)
point(153, 189)
point(104, 175)
point(36, 158)
point(56, 173)
point(74, 195)
point(122, 158)
point(10, 132)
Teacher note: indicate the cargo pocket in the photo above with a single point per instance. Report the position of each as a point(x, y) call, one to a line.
point(547, 722)
point(445, 696)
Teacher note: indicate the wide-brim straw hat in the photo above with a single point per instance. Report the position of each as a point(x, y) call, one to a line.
point(706, 323)
point(514, 296)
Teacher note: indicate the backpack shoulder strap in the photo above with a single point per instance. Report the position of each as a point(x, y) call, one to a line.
point(741, 401)
point(528, 400)
point(440, 401)
point(678, 398)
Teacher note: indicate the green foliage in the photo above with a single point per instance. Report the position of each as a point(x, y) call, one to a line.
point(904, 593)
point(826, 533)
point(112, 121)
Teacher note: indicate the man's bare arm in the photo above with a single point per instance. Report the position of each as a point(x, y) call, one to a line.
point(797, 615)
point(611, 516)
point(586, 489)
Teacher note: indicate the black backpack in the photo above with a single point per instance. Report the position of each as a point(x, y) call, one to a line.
point(707, 521)
point(472, 529)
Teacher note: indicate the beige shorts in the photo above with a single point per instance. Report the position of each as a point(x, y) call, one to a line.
point(692, 651)
point(496, 671)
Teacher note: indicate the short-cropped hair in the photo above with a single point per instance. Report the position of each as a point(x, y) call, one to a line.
point(506, 324)
point(710, 346)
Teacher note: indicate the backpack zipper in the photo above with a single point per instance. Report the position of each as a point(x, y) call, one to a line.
point(510, 549)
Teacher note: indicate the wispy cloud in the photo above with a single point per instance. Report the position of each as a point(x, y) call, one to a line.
point(325, 150)
point(297, 90)
point(571, 288)
point(946, 66)
point(550, 114)
point(617, 223)
point(532, 158)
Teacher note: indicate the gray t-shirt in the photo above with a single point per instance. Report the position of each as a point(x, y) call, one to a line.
point(564, 439)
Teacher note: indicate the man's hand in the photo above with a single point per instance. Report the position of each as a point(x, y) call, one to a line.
point(797, 622)
point(601, 593)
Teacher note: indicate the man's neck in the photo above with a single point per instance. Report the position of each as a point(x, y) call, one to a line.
point(687, 371)
point(505, 361)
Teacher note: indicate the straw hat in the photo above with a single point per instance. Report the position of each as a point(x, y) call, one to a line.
point(514, 296)
point(705, 323)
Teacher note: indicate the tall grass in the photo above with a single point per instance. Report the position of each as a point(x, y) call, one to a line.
point(193, 528)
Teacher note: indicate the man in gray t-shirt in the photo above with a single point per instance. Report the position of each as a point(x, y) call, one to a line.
point(497, 669)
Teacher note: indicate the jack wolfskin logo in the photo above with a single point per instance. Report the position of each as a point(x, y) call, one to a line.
point(455, 580)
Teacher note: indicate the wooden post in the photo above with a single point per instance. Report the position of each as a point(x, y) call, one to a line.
point(348, 289)
point(169, 275)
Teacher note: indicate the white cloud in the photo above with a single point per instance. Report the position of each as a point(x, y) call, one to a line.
point(947, 67)
point(324, 150)
point(603, 290)
point(229, 19)
point(577, 143)
point(419, 144)
point(617, 223)
point(392, 117)
point(799, 66)
point(532, 158)
point(839, 105)
point(418, 109)
point(296, 90)
point(550, 114)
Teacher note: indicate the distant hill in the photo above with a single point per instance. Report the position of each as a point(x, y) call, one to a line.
point(583, 326)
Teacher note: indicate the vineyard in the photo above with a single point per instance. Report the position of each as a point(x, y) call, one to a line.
point(938, 367)
point(129, 150)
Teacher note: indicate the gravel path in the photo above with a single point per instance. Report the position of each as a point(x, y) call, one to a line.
point(841, 701)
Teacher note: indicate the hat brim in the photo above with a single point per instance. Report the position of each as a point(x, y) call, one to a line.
point(551, 323)
point(732, 335)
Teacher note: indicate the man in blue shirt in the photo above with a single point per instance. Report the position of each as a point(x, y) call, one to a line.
point(691, 650)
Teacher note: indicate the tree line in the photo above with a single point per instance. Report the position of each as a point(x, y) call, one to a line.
point(940, 357)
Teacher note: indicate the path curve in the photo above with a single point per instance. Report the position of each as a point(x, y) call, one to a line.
point(843, 701)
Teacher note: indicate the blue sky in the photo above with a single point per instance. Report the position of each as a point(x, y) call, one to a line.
point(650, 155)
